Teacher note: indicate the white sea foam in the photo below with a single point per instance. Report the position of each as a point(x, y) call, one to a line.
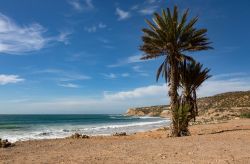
point(64, 130)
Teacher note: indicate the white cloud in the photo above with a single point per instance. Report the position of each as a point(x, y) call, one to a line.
point(134, 59)
point(102, 25)
point(49, 70)
point(151, 1)
point(139, 70)
point(125, 74)
point(141, 92)
point(122, 15)
point(70, 76)
point(63, 37)
point(18, 100)
point(120, 101)
point(69, 85)
point(109, 76)
point(90, 29)
point(148, 7)
point(115, 76)
point(129, 60)
point(94, 28)
point(117, 102)
point(89, 4)
point(62, 75)
point(209, 88)
point(16, 39)
point(134, 7)
point(230, 75)
point(75, 4)
point(103, 40)
point(81, 5)
point(148, 10)
point(217, 85)
point(8, 79)
point(106, 43)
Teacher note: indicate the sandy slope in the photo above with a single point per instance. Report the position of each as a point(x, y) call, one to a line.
point(215, 143)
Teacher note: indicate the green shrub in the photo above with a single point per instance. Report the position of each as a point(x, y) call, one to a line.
point(245, 115)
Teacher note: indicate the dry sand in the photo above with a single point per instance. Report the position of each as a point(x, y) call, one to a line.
point(214, 143)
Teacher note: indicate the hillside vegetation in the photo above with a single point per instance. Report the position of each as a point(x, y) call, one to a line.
point(225, 100)
point(230, 105)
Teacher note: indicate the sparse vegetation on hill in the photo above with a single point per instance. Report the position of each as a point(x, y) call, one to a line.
point(225, 100)
point(245, 115)
point(219, 107)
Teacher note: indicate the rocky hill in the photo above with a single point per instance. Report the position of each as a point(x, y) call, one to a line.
point(229, 100)
point(160, 110)
point(218, 107)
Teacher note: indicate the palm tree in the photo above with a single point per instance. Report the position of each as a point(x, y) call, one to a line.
point(192, 75)
point(170, 37)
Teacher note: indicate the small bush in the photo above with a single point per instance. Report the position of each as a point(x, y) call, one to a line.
point(245, 115)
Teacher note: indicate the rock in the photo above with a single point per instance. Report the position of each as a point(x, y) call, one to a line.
point(85, 136)
point(78, 136)
point(134, 112)
point(120, 134)
point(152, 114)
point(166, 113)
point(5, 143)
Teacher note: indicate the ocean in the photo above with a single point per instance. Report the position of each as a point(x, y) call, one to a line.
point(27, 127)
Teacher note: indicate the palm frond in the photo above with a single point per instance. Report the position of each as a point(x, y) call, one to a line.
point(171, 34)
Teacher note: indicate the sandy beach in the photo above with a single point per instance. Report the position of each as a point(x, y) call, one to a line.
point(226, 142)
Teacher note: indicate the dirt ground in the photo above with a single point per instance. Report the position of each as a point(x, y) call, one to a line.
point(227, 142)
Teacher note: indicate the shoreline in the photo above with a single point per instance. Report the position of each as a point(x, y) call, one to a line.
point(209, 143)
point(142, 133)
point(90, 136)
point(145, 123)
point(163, 128)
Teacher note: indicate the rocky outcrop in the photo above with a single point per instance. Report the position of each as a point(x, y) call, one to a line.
point(154, 111)
point(166, 113)
point(135, 112)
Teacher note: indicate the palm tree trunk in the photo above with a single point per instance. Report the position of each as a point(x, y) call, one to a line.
point(187, 105)
point(195, 104)
point(190, 114)
point(173, 94)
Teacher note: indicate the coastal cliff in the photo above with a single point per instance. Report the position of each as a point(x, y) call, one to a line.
point(156, 111)
point(223, 106)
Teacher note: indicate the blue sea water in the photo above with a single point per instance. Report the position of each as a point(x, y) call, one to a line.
point(26, 127)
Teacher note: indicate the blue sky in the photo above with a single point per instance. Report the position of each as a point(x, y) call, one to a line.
point(82, 56)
